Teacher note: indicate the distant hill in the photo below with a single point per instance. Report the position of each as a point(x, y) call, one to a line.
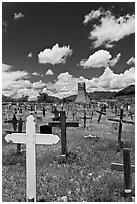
point(130, 90)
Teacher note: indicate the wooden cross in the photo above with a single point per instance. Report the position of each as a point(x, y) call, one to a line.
point(30, 138)
point(63, 124)
point(127, 169)
point(14, 121)
point(101, 113)
point(85, 118)
point(120, 121)
point(20, 121)
point(56, 113)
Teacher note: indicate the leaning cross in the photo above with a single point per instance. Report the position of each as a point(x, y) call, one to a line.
point(63, 124)
point(127, 169)
point(101, 113)
point(120, 121)
point(30, 138)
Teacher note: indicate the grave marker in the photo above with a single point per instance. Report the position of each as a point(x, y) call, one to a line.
point(30, 138)
point(127, 169)
point(85, 117)
point(120, 124)
point(43, 110)
point(63, 125)
point(14, 122)
point(101, 113)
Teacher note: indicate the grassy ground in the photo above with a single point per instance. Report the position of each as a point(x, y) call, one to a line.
point(86, 175)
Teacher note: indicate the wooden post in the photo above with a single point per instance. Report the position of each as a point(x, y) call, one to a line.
point(43, 111)
point(30, 159)
point(127, 170)
point(120, 125)
point(63, 133)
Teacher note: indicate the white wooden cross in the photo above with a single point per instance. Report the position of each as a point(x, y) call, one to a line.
point(30, 138)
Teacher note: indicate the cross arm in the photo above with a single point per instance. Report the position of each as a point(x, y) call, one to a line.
point(101, 112)
point(123, 121)
point(68, 124)
point(72, 124)
point(113, 119)
point(20, 138)
point(130, 122)
point(120, 167)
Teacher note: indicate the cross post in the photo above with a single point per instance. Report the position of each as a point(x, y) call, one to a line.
point(127, 168)
point(63, 124)
point(85, 118)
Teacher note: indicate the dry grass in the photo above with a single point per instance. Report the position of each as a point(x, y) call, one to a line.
point(86, 175)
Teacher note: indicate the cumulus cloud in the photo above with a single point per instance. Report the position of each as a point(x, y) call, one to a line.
point(35, 74)
point(17, 16)
point(49, 72)
point(92, 15)
point(9, 76)
point(66, 84)
point(110, 28)
point(101, 58)
point(30, 55)
point(56, 55)
point(38, 85)
point(131, 61)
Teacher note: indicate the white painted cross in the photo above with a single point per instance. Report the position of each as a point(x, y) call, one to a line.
point(31, 138)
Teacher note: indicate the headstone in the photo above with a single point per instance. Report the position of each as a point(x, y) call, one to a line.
point(45, 129)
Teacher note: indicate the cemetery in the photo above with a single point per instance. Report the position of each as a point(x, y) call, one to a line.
point(72, 152)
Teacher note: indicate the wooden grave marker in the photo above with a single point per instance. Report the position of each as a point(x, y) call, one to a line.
point(19, 122)
point(63, 125)
point(86, 118)
point(31, 138)
point(56, 114)
point(120, 121)
point(13, 121)
point(101, 113)
point(127, 168)
point(43, 111)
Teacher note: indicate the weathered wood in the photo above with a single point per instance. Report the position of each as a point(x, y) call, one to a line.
point(68, 124)
point(101, 113)
point(63, 125)
point(85, 118)
point(120, 167)
point(63, 133)
point(123, 121)
point(120, 121)
point(14, 122)
point(43, 111)
point(127, 168)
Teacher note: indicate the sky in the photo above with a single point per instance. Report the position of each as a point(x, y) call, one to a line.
point(48, 47)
